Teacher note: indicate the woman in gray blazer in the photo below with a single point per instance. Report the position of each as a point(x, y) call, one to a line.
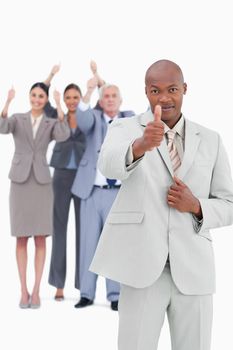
point(31, 195)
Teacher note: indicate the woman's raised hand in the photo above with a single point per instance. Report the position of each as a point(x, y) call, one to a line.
point(11, 94)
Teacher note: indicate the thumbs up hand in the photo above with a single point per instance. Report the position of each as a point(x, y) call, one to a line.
point(157, 113)
point(152, 136)
point(154, 132)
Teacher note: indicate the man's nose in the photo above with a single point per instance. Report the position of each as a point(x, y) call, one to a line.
point(164, 98)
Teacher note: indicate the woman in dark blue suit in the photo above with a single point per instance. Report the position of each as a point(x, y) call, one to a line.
point(65, 160)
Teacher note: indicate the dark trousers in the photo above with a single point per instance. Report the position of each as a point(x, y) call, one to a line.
point(62, 183)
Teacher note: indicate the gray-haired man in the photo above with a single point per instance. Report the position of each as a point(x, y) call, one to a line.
point(97, 193)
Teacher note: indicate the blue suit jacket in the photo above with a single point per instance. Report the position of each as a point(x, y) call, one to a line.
point(93, 125)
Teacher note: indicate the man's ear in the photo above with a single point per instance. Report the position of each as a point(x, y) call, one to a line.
point(185, 88)
point(145, 90)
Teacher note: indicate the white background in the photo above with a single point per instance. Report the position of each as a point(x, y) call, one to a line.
point(124, 38)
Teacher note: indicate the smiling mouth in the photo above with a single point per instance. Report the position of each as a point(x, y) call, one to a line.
point(167, 108)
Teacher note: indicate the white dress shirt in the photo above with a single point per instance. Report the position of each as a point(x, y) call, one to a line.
point(35, 121)
point(100, 179)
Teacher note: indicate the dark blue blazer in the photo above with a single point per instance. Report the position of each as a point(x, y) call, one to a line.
point(62, 150)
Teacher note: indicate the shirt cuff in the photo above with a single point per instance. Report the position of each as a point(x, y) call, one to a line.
point(129, 156)
point(197, 223)
point(130, 163)
point(83, 106)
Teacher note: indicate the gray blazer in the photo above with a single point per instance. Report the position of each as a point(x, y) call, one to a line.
point(93, 125)
point(62, 150)
point(31, 152)
point(141, 229)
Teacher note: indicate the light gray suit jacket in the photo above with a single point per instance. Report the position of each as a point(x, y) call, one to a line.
point(141, 229)
point(29, 152)
point(93, 125)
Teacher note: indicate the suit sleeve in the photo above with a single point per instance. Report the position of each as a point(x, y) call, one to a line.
point(50, 111)
point(61, 131)
point(115, 152)
point(217, 210)
point(98, 107)
point(85, 120)
point(127, 114)
point(7, 125)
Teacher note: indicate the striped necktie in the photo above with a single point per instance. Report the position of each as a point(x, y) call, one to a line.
point(175, 159)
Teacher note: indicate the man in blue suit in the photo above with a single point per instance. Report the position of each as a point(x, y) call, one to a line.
point(97, 193)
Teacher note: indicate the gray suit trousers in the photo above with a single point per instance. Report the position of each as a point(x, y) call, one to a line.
point(62, 183)
point(142, 312)
point(93, 214)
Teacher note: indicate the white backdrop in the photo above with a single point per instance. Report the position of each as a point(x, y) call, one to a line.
point(124, 38)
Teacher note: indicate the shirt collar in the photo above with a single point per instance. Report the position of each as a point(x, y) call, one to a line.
point(178, 127)
point(36, 118)
point(108, 119)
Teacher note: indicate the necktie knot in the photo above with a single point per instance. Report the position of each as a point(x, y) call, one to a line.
point(111, 182)
point(171, 135)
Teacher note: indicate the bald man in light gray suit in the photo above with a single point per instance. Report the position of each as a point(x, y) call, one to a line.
point(156, 240)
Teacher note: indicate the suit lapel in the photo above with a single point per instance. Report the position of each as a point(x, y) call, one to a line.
point(191, 143)
point(77, 132)
point(163, 151)
point(146, 117)
point(103, 126)
point(28, 127)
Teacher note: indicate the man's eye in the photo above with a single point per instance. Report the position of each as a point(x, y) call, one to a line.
point(173, 89)
point(154, 91)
